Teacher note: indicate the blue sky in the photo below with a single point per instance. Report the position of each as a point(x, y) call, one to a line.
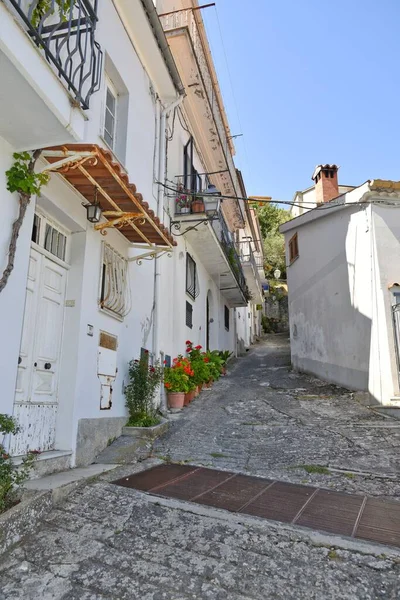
point(313, 82)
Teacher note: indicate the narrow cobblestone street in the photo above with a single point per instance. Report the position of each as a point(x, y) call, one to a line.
point(108, 542)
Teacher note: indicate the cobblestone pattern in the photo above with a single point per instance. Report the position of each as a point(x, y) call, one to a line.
point(111, 543)
point(265, 420)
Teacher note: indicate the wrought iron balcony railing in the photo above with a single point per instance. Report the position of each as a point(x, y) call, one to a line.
point(248, 258)
point(225, 238)
point(65, 31)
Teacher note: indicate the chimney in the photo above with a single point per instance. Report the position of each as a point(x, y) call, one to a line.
point(326, 183)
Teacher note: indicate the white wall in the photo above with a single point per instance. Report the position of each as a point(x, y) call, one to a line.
point(330, 298)
point(385, 225)
point(12, 298)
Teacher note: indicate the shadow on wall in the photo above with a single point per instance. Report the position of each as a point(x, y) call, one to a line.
point(276, 314)
point(330, 318)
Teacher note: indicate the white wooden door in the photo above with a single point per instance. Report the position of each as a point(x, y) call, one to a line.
point(36, 395)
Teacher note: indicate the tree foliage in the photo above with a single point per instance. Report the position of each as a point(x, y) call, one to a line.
point(271, 217)
point(21, 178)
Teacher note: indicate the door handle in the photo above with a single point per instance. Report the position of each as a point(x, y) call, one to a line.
point(35, 364)
point(47, 366)
point(19, 360)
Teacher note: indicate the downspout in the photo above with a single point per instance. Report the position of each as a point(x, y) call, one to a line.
point(160, 214)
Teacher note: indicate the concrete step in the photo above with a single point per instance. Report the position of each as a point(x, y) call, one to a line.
point(125, 450)
point(65, 478)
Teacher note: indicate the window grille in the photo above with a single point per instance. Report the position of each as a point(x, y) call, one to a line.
point(192, 284)
point(226, 318)
point(189, 315)
point(115, 293)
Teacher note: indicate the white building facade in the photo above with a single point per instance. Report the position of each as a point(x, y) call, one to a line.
point(344, 297)
point(84, 299)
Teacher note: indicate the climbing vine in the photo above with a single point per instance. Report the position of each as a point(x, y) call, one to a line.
point(21, 178)
point(46, 7)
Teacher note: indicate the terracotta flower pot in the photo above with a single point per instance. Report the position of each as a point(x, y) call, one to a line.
point(189, 397)
point(197, 206)
point(176, 399)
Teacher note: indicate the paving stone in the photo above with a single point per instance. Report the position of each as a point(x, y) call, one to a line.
point(114, 543)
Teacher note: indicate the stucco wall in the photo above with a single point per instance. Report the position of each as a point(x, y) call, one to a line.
point(385, 225)
point(330, 298)
point(12, 298)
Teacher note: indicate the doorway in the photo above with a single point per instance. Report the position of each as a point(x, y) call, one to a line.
point(36, 394)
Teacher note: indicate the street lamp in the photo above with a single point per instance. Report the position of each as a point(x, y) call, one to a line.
point(93, 211)
point(212, 200)
point(277, 274)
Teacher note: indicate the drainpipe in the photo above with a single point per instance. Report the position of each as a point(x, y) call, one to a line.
point(160, 214)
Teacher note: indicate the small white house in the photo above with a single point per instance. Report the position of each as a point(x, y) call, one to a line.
point(119, 129)
point(343, 279)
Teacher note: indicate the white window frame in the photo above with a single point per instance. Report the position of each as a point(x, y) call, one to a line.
point(40, 243)
point(114, 291)
point(110, 87)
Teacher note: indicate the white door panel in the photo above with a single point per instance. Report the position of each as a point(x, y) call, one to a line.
point(36, 396)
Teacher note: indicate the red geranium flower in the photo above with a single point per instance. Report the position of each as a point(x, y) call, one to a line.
point(206, 359)
point(198, 347)
point(167, 385)
point(188, 343)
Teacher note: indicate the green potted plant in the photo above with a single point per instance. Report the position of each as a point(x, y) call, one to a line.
point(200, 368)
point(176, 381)
point(197, 204)
point(225, 356)
point(182, 202)
point(214, 362)
point(144, 381)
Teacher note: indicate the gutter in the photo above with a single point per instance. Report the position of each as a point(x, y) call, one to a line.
point(154, 20)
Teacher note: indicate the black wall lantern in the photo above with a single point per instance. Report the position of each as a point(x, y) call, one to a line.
point(93, 211)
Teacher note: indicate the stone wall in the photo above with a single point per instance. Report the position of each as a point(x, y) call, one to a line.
point(278, 309)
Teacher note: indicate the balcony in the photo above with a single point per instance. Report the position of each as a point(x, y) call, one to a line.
point(65, 33)
point(252, 273)
point(50, 66)
point(203, 103)
point(211, 239)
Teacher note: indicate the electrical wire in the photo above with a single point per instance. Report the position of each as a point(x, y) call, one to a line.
point(232, 88)
point(249, 199)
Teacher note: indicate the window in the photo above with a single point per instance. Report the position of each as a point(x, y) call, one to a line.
point(48, 235)
point(191, 179)
point(110, 115)
point(226, 318)
point(192, 287)
point(115, 296)
point(293, 248)
point(189, 315)
point(36, 229)
point(55, 242)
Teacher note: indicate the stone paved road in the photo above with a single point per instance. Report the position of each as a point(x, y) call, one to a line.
point(108, 542)
point(265, 420)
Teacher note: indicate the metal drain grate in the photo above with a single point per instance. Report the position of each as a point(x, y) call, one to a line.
point(315, 508)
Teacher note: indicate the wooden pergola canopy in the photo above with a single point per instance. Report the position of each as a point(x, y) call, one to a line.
point(92, 171)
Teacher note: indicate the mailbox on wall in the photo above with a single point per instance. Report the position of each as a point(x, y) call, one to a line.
point(107, 367)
